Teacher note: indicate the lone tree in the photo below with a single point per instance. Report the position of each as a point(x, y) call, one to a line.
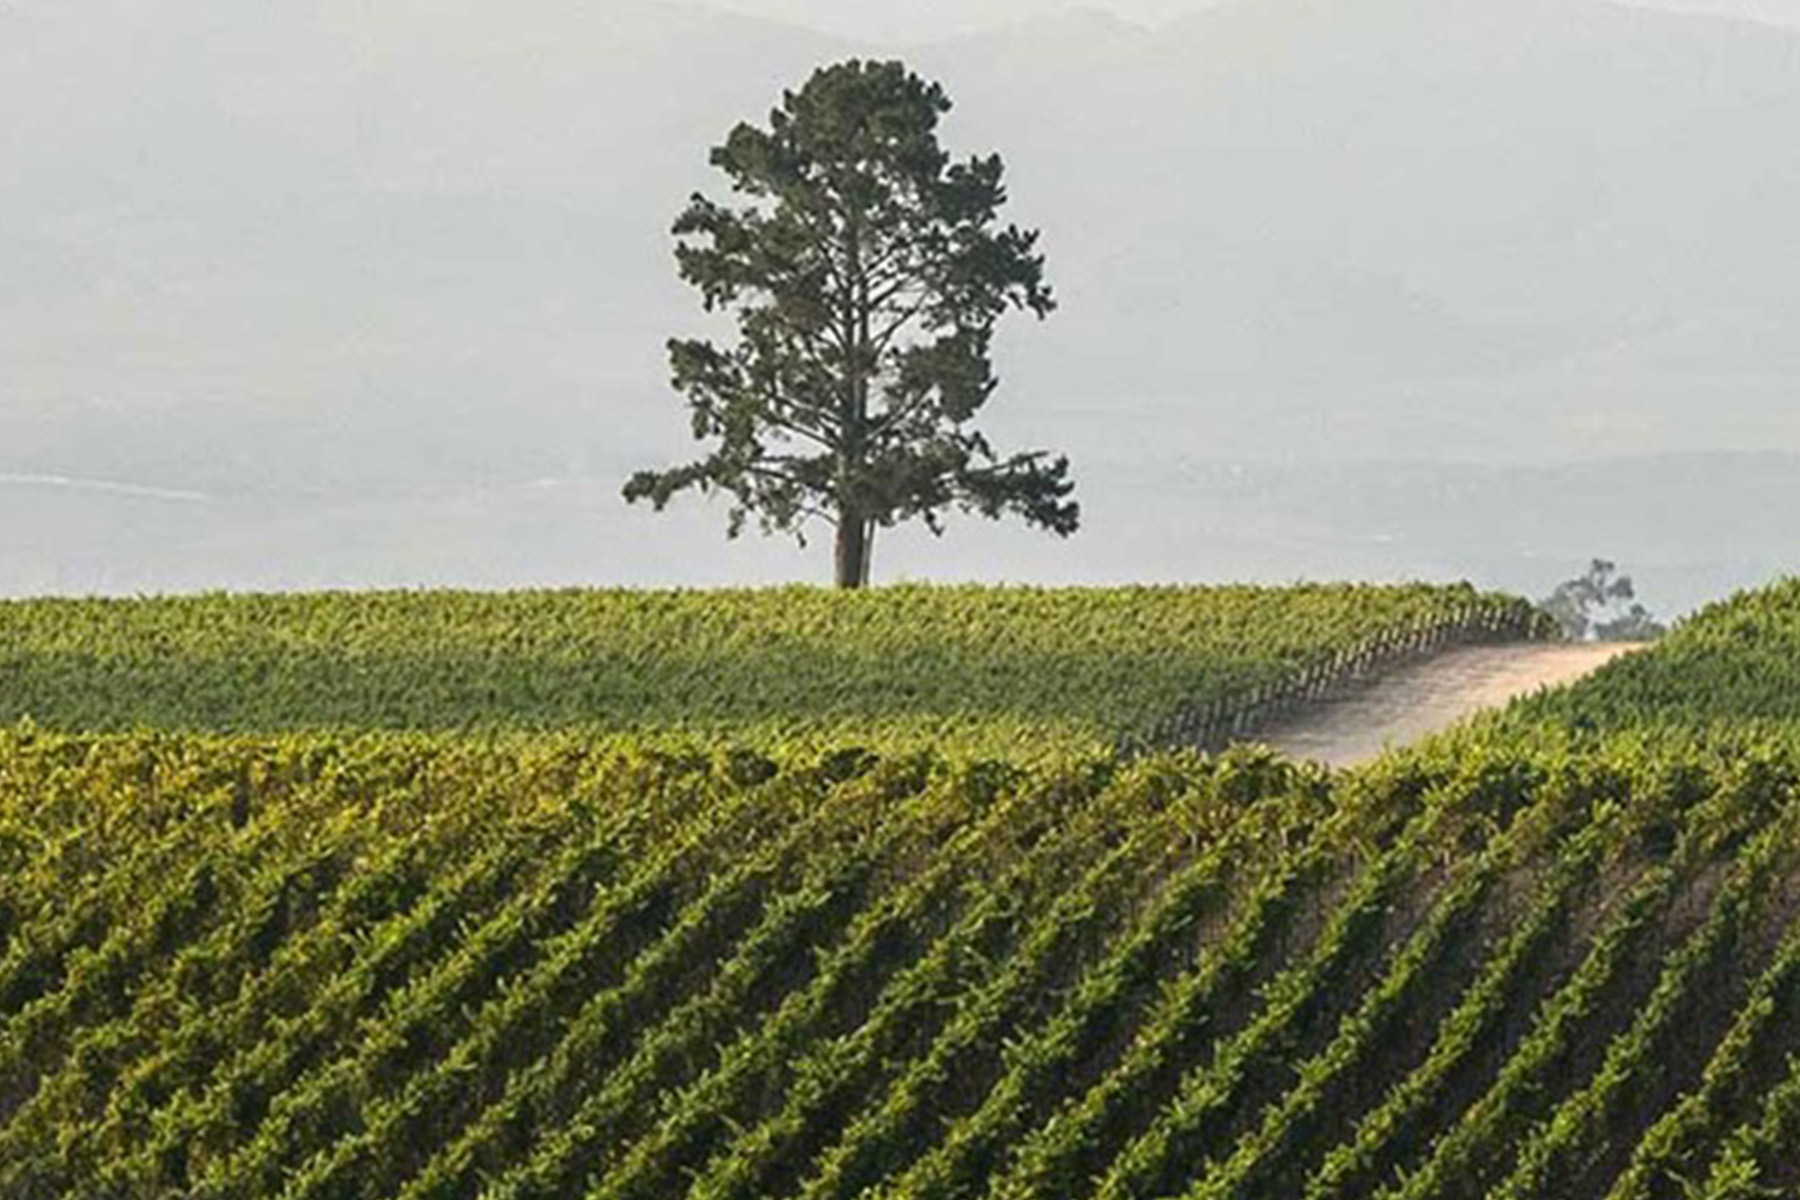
point(1593, 607)
point(867, 273)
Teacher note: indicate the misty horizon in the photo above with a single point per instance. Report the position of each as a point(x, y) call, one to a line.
point(339, 297)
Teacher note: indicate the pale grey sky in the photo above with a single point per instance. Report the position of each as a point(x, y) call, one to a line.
point(341, 293)
point(928, 20)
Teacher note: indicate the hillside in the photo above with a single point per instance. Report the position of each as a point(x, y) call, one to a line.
point(989, 670)
point(1437, 692)
point(1730, 667)
point(1540, 958)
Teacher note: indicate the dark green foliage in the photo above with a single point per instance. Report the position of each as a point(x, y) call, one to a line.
point(1004, 672)
point(868, 272)
point(430, 965)
point(1538, 958)
point(1735, 664)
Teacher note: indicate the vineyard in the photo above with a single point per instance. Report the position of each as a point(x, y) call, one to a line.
point(1733, 666)
point(976, 670)
point(1556, 955)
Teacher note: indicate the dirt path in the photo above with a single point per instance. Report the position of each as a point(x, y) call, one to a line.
point(1429, 696)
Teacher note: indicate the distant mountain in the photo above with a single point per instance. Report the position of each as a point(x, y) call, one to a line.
point(326, 254)
point(333, 245)
point(1689, 528)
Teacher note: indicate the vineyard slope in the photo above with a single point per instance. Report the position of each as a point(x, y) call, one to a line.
point(1555, 953)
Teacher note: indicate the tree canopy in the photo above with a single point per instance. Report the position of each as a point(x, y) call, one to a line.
point(1599, 606)
point(867, 271)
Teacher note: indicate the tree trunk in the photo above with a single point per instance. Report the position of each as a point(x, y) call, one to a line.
point(852, 552)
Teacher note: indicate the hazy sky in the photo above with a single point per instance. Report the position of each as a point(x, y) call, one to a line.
point(925, 20)
point(919, 20)
point(346, 292)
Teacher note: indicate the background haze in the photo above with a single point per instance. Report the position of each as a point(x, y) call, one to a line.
point(343, 294)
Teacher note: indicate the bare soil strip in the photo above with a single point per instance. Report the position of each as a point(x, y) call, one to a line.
point(1425, 697)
